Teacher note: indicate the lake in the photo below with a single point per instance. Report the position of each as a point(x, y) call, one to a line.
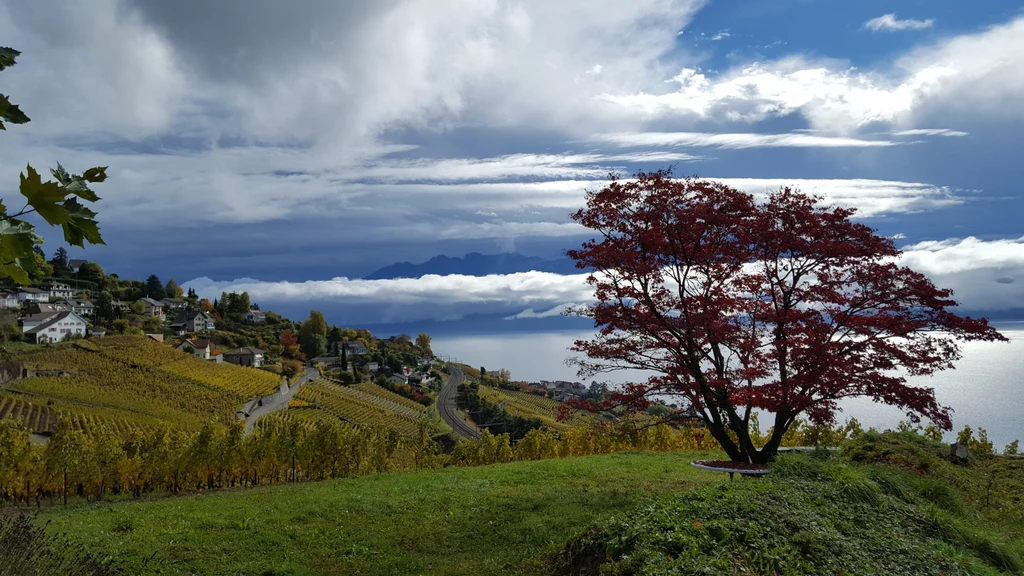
point(986, 389)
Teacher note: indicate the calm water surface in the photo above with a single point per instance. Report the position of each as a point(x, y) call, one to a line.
point(986, 389)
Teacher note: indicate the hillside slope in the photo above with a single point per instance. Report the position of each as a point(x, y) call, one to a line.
point(124, 383)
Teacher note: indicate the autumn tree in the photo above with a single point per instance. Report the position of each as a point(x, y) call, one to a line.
point(57, 202)
point(290, 344)
point(423, 343)
point(784, 306)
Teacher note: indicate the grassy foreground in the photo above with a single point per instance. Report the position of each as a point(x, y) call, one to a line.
point(500, 519)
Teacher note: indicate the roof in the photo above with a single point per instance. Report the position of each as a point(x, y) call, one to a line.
point(83, 304)
point(245, 351)
point(190, 315)
point(257, 313)
point(31, 290)
point(197, 343)
point(74, 263)
point(152, 302)
point(54, 318)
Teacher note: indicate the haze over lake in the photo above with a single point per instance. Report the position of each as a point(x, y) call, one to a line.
point(986, 389)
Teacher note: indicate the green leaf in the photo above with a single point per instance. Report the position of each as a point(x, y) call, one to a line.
point(7, 56)
point(95, 175)
point(17, 240)
point(44, 197)
point(82, 227)
point(11, 112)
point(61, 174)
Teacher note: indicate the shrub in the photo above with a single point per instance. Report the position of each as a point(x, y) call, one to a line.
point(27, 549)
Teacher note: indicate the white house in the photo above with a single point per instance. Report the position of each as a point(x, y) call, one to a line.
point(58, 290)
point(153, 308)
point(8, 300)
point(200, 347)
point(76, 265)
point(53, 327)
point(28, 294)
point(192, 321)
point(80, 307)
point(255, 317)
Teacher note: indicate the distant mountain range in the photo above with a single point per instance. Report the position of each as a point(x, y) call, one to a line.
point(476, 264)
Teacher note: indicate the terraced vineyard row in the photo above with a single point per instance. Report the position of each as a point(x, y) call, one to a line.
point(355, 411)
point(378, 400)
point(135, 351)
point(384, 393)
point(307, 417)
point(526, 405)
point(246, 382)
point(35, 416)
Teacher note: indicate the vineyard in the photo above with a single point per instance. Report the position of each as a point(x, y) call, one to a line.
point(526, 405)
point(125, 383)
point(363, 406)
point(36, 417)
point(248, 383)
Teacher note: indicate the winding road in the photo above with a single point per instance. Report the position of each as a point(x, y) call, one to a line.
point(446, 406)
point(279, 401)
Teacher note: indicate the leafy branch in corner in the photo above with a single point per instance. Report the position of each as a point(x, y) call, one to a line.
point(57, 202)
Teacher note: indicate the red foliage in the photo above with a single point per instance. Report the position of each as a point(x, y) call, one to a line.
point(784, 305)
point(290, 343)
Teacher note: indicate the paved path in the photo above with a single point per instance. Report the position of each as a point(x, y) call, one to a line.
point(446, 406)
point(280, 400)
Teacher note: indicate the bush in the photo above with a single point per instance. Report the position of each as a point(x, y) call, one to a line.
point(812, 515)
point(28, 550)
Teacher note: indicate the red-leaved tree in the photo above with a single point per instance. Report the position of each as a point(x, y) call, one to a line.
point(783, 305)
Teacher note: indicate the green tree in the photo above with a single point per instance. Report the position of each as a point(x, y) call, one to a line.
point(154, 288)
point(56, 202)
point(105, 312)
point(172, 290)
point(40, 267)
point(138, 307)
point(92, 272)
point(8, 325)
point(60, 263)
point(316, 323)
point(315, 346)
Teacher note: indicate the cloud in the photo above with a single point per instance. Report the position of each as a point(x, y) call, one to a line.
point(971, 74)
point(929, 132)
point(408, 299)
point(737, 140)
point(559, 310)
point(720, 36)
point(985, 275)
point(890, 23)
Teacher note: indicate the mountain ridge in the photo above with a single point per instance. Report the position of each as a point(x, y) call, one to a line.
point(475, 264)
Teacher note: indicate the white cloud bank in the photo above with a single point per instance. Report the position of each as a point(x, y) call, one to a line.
point(986, 275)
point(971, 74)
point(890, 23)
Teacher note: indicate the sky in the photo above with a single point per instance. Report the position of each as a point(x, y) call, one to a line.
point(290, 149)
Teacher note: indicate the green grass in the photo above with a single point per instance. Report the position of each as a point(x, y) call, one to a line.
point(822, 514)
point(501, 519)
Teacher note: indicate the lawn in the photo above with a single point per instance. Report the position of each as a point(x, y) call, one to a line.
point(499, 519)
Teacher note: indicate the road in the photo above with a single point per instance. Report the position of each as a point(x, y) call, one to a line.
point(280, 400)
point(446, 406)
